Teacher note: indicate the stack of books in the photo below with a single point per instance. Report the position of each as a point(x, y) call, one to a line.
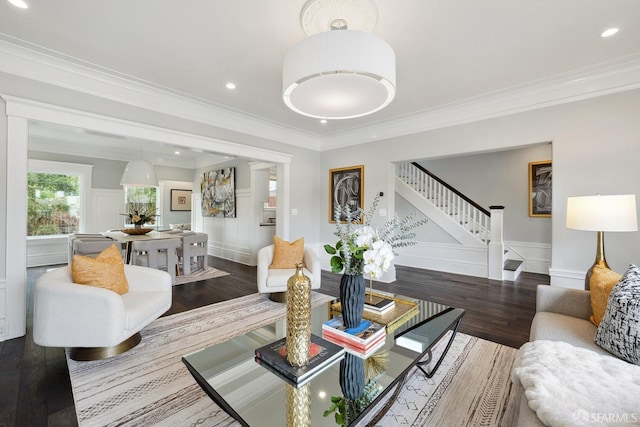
point(322, 354)
point(362, 341)
point(378, 305)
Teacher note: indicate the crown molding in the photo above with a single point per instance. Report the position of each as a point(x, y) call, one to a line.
point(36, 110)
point(25, 62)
point(590, 82)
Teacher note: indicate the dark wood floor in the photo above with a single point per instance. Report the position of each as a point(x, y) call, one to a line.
point(35, 389)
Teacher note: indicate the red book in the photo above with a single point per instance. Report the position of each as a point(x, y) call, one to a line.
point(341, 340)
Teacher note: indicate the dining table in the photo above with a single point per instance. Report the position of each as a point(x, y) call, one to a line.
point(128, 239)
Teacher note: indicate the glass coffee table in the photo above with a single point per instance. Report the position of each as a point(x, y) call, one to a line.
point(255, 396)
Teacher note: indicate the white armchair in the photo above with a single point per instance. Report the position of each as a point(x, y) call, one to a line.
point(274, 281)
point(96, 322)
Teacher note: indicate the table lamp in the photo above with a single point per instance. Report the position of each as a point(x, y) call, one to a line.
point(601, 213)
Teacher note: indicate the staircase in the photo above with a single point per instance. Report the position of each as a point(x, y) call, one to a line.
point(467, 222)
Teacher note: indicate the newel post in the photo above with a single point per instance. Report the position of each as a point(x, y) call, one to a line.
point(495, 254)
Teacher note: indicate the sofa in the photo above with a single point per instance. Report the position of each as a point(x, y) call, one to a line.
point(562, 314)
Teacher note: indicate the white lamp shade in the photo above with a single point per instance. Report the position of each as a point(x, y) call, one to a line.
point(139, 173)
point(339, 75)
point(602, 213)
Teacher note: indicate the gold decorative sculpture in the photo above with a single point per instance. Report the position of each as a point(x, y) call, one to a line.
point(298, 318)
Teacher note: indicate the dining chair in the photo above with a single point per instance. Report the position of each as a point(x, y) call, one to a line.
point(91, 246)
point(192, 255)
point(157, 253)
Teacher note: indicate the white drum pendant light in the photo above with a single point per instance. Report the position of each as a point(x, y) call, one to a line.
point(339, 73)
point(139, 173)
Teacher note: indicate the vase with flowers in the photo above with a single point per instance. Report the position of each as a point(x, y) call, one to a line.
point(138, 218)
point(363, 251)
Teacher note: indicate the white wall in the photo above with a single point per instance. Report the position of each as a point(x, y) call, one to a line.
point(596, 144)
point(230, 238)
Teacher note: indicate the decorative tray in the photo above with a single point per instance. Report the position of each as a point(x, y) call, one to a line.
point(403, 311)
point(136, 231)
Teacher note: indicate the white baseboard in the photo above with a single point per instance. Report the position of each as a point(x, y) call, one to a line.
point(567, 278)
point(47, 251)
point(4, 327)
point(459, 259)
point(229, 252)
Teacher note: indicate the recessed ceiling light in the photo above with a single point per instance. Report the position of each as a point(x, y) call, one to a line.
point(230, 86)
point(323, 121)
point(19, 3)
point(609, 32)
point(176, 152)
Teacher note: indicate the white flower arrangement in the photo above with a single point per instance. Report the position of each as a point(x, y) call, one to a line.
point(365, 250)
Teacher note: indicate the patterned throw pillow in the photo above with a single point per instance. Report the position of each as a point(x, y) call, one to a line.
point(285, 254)
point(105, 271)
point(619, 331)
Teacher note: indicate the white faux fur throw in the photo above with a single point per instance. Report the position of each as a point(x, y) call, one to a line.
point(572, 386)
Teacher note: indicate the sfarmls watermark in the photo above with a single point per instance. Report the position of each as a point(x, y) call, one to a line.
point(582, 417)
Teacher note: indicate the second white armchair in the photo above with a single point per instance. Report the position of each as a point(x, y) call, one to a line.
point(274, 281)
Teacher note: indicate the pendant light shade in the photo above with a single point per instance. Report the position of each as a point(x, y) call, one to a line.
point(339, 74)
point(139, 173)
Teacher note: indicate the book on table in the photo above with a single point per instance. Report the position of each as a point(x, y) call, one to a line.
point(362, 336)
point(363, 352)
point(322, 354)
point(378, 304)
point(414, 340)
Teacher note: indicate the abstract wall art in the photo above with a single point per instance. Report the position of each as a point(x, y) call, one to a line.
point(219, 193)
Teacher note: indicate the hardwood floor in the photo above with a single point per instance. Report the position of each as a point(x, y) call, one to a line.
point(35, 389)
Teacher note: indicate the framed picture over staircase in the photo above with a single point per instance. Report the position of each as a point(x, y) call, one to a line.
point(540, 189)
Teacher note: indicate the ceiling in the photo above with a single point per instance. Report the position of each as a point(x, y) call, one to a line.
point(448, 53)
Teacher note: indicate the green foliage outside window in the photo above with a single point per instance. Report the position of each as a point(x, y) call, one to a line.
point(141, 200)
point(53, 204)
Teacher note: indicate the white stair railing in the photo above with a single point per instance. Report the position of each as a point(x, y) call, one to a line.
point(473, 218)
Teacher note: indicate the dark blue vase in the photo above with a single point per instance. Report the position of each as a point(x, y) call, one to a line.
point(352, 376)
point(352, 289)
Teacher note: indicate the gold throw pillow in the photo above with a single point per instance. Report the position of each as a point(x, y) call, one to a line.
point(285, 254)
point(105, 271)
point(602, 281)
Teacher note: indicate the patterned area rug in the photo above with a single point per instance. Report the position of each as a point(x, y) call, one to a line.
point(207, 273)
point(472, 387)
point(150, 385)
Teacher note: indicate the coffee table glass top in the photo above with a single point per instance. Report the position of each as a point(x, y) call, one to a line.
point(254, 396)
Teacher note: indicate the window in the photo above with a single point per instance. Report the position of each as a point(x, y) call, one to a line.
point(56, 197)
point(142, 200)
point(273, 189)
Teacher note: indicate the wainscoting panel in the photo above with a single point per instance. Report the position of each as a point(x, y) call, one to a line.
point(450, 258)
point(230, 238)
point(106, 205)
point(536, 257)
point(47, 250)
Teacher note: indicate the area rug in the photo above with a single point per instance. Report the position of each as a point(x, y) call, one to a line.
point(472, 387)
point(150, 385)
point(206, 273)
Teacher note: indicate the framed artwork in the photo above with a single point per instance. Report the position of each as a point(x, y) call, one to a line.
point(219, 193)
point(540, 189)
point(346, 188)
point(180, 200)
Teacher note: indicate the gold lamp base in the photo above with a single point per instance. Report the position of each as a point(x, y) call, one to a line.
point(83, 354)
point(599, 262)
